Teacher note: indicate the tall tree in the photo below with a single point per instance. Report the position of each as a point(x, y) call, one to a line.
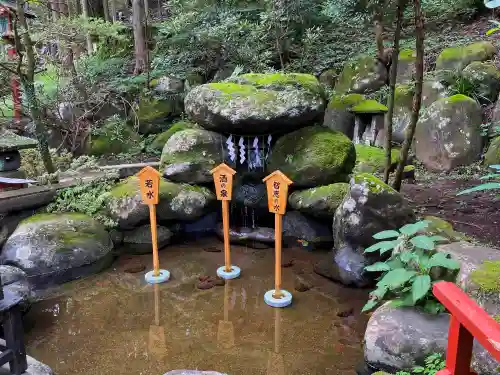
point(141, 54)
point(417, 97)
point(25, 70)
point(392, 87)
point(85, 12)
point(105, 8)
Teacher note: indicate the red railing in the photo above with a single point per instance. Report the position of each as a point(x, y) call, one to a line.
point(468, 321)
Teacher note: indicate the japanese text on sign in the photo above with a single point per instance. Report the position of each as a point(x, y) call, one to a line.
point(223, 179)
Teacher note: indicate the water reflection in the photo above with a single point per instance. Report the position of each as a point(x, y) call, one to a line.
point(225, 331)
point(275, 364)
point(157, 344)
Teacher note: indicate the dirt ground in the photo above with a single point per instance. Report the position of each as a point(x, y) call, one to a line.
point(476, 214)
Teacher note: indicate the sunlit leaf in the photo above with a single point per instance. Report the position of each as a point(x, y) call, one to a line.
point(396, 278)
point(423, 242)
point(442, 260)
point(438, 238)
point(383, 246)
point(487, 186)
point(489, 176)
point(494, 166)
point(420, 287)
point(492, 31)
point(369, 305)
point(386, 234)
point(377, 267)
point(411, 229)
point(407, 256)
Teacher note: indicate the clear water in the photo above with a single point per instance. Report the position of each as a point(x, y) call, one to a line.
point(115, 323)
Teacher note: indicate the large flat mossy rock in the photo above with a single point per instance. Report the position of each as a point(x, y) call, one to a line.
point(189, 155)
point(176, 202)
point(362, 75)
point(457, 58)
point(338, 115)
point(371, 159)
point(313, 156)
point(153, 112)
point(162, 138)
point(369, 207)
point(56, 248)
point(492, 156)
point(321, 201)
point(257, 103)
point(448, 133)
point(485, 76)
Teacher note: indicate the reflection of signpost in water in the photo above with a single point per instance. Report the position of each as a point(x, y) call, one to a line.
point(149, 181)
point(277, 193)
point(157, 344)
point(225, 332)
point(223, 180)
point(275, 365)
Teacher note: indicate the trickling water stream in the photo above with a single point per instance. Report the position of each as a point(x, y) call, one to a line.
point(114, 323)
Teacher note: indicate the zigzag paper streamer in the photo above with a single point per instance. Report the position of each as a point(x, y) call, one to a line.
point(241, 143)
point(258, 162)
point(230, 149)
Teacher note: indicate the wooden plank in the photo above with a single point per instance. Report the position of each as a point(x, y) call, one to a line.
point(482, 326)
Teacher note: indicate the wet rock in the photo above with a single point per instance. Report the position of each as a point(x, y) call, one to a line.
point(116, 237)
point(257, 103)
point(34, 367)
point(486, 78)
point(176, 202)
point(219, 282)
point(448, 133)
point(15, 281)
point(400, 338)
point(189, 155)
point(139, 241)
point(313, 156)
point(205, 284)
point(301, 285)
point(249, 236)
point(345, 313)
point(457, 58)
point(300, 227)
point(251, 195)
point(204, 226)
point(192, 372)
point(320, 202)
point(56, 248)
point(363, 75)
point(338, 116)
point(287, 263)
point(347, 267)
point(370, 207)
point(212, 249)
point(134, 267)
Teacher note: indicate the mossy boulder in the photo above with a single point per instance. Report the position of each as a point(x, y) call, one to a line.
point(320, 202)
point(176, 202)
point(457, 58)
point(162, 138)
point(328, 78)
point(257, 103)
point(371, 159)
point(486, 77)
point(492, 156)
point(338, 115)
point(139, 241)
point(167, 85)
point(370, 207)
point(448, 133)
point(313, 156)
point(153, 112)
point(114, 137)
point(406, 66)
point(15, 283)
point(297, 227)
point(433, 88)
point(189, 155)
point(362, 75)
point(56, 248)
point(369, 106)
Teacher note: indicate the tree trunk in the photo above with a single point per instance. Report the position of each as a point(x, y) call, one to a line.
point(85, 12)
point(417, 97)
point(379, 32)
point(139, 37)
point(105, 8)
point(27, 78)
point(113, 10)
point(146, 9)
point(159, 10)
point(392, 88)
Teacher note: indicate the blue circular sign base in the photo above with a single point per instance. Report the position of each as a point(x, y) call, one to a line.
point(284, 301)
point(233, 274)
point(163, 275)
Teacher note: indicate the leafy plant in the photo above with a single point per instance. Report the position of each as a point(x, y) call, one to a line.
point(406, 278)
point(488, 185)
point(433, 363)
point(464, 86)
point(493, 29)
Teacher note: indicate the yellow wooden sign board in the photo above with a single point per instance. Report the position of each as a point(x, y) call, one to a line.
point(149, 180)
point(277, 192)
point(223, 180)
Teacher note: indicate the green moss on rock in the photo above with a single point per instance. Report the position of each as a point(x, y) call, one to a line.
point(230, 91)
point(457, 58)
point(297, 80)
point(403, 95)
point(406, 55)
point(492, 156)
point(363, 74)
point(374, 184)
point(369, 106)
point(458, 99)
point(371, 159)
point(45, 216)
point(114, 137)
point(344, 102)
point(162, 138)
point(487, 277)
point(320, 201)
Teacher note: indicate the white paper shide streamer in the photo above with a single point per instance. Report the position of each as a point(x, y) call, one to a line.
point(230, 149)
point(241, 143)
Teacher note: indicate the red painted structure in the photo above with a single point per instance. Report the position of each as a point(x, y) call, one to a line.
point(468, 322)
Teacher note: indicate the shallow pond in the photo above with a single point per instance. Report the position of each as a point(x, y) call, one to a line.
point(115, 323)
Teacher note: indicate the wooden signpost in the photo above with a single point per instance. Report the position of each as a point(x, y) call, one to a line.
point(223, 180)
point(277, 194)
point(149, 181)
point(157, 342)
point(225, 332)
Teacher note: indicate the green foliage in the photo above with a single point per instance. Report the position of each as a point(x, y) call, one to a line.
point(433, 363)
point(487, 185)
point(493, 29)
point(463, 86)
point(87, 198)
point(406, 278)
point(32, 164)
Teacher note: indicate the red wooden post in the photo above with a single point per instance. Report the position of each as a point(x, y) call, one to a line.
point(468, 321)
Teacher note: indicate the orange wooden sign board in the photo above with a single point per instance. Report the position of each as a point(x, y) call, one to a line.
point(149, 180)
point(277, 192)
point(223, 179)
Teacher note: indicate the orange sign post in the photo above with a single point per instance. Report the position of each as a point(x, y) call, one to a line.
point(223, 180)
point(149, 181)
point(277, 194)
